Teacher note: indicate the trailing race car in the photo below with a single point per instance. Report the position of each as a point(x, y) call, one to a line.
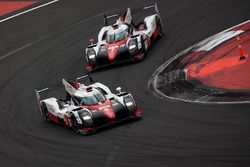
point(124, 41)
point(87, 107)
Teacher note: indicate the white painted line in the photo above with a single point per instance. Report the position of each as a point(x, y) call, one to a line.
point(22, 48)
point(27, 11)
point(15, 51)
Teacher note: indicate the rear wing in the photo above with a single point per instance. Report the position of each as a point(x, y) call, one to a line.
point(44, 90)
point(88, 76)
point(53, 87)
point(106, 18)
point(153, 7)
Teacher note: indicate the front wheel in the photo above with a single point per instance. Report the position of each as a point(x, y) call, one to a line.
point(143, 53)
point(159, 25)
point(75, 125)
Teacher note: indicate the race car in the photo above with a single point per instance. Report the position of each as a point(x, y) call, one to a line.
point(124, 40)
point(88, 106)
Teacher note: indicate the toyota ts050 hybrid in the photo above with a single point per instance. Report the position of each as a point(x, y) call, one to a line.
point(87, 107)
point(124, 40)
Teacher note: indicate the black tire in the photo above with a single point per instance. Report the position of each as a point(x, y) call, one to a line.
point(143, 45)
point(143, 50)
point(161, 32)
point(45, 113)
point(75, 125)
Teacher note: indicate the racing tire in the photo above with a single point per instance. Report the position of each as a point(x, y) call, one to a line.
point(75, 125)
point(143, 50)
point(45, 113)
point(143, 46)
point(161, 32)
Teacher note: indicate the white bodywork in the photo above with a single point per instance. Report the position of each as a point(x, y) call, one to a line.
point(64, 110)
point(149, 21)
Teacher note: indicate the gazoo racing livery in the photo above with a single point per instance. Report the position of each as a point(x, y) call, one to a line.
point(124, 41)
point(87, 107)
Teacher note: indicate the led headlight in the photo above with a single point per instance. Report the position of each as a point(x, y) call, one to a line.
point(129, 103)
point(132, 47)
point(92, 56)
point(87, 117)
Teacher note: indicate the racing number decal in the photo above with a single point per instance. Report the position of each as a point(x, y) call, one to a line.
point(108, 113)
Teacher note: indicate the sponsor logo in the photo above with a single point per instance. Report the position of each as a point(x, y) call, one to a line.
point(108, 113)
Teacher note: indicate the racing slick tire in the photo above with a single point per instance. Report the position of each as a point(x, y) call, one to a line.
point(144, 50)
point(159, 24)
point(75, 125)
point(143, 53)
point(45, 113)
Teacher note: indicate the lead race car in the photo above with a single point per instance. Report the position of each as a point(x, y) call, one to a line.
point(87, 107)
point(124, 40)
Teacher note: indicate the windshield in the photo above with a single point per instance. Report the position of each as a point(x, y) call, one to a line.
point(117, 35)
point(92, 99)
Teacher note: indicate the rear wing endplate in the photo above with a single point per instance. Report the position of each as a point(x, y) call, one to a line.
point(53, 87)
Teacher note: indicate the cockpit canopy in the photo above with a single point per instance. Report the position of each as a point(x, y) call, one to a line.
point(116, 34)
point(91, 98)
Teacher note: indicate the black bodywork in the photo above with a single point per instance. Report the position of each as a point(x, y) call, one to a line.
point(123, 55)
point(100, 120)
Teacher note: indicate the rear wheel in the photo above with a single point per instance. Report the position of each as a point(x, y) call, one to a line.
point(45, 113)
point(159, 25)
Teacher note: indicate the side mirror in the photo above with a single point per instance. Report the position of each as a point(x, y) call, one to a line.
point(119, 89)
point(91, 41)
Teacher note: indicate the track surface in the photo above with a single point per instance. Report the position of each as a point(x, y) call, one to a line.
point(46, 45)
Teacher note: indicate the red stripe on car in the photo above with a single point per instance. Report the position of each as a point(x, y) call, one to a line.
point(113, 47)
point(53, 117)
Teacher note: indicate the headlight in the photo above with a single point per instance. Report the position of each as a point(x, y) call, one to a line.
point(129, 104)
point(92, 56)
point(132, 47)
point(86, 118)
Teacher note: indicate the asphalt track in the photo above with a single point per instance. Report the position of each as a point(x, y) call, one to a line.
point(43, 46)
